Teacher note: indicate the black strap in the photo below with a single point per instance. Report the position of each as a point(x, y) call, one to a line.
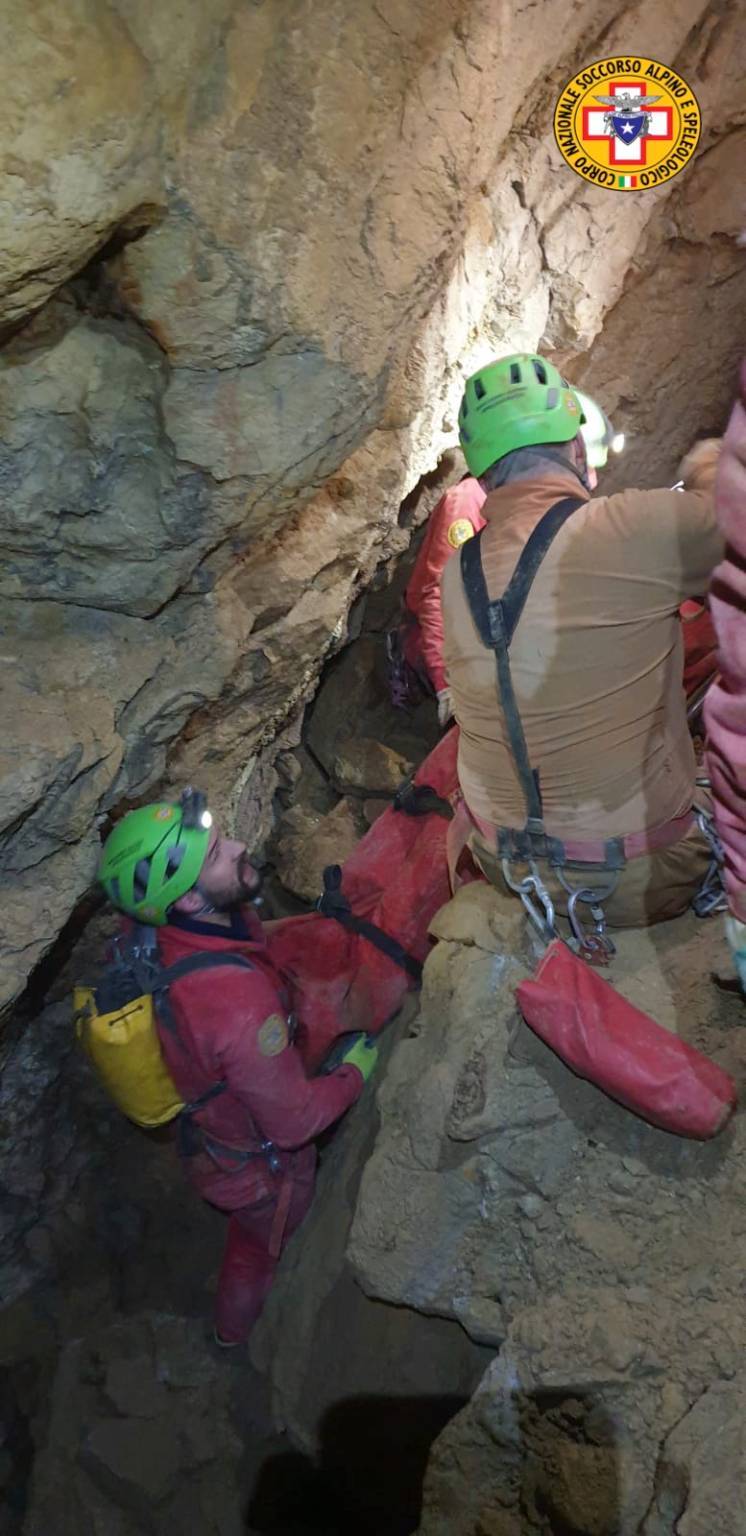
point(496, 623)
point(162, 1004)
point(202, 962)
point(166, 977)
point(333, 903)
point(421, 800)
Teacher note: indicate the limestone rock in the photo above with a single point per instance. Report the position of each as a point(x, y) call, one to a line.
point(133, 1389)
point(350, 691)
point(97, 512)
point(374, 808)
point(93, 709)
point(508, 1195)
point(128, 1473)
point(81, 139)
point(120, 1452)
point(701, 1475)
point(685, 310)
point(364, 765)
point(212, 430)
point(356, 1385)
point(307, 842)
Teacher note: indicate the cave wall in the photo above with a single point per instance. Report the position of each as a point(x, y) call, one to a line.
point(250, 252)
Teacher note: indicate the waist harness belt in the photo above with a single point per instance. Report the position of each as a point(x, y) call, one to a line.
point(496, 624)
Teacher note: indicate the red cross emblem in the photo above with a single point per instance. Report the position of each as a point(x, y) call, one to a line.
point(628, 156)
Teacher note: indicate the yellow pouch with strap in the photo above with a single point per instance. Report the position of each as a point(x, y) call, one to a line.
point(116, 1023)
point(124, 1048)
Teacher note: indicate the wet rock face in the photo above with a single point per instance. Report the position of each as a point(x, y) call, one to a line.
point(248, 250)
point(600, 1257)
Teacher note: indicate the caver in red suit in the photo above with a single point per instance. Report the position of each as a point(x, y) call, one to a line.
point(455, 518)
point(725, 707)
point(234, 1025)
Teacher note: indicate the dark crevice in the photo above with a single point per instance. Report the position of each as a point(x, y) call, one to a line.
point(34, 997)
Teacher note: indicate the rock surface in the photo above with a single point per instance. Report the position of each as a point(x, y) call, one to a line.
point(358, 1387)
point(369, 767)
point(259, 349)
point(599, 1256)
point(82, 144)
point(141, 1436)
point(701, 1474)
point(307, 843)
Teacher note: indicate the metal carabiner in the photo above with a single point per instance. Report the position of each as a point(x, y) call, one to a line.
point(533, 885)
point(269, 1150)
point(706, 824)
point(596, 947)
point(710, 897)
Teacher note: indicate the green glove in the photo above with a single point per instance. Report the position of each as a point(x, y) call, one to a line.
point(736, 935)
point(363, 1055)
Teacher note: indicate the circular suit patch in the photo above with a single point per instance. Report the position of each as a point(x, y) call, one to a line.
point(273, 1036)
point(459, 532)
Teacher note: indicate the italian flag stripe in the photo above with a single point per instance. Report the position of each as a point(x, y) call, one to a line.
point(627, 181)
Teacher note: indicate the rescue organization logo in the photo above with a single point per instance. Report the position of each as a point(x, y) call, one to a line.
point(627, 124)
point(459, 532)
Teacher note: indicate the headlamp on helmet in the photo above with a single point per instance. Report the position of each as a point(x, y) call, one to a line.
point(153, 856)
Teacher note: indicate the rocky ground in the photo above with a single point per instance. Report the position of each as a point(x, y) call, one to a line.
point(603, 1259)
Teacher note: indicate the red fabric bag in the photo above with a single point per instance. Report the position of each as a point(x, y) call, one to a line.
point(608, 1041)
point(397, 878)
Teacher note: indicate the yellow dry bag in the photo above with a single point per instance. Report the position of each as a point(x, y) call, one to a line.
point(124, 1048)
point(116, 1025)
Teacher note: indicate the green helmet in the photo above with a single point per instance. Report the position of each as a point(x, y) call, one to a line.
point(598, 434)
point(515, 402)
point(155, 855)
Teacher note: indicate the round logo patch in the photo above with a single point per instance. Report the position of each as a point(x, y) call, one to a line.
point(165, 813)
point(459, 532)
point(627, 124)
point(273, 1036)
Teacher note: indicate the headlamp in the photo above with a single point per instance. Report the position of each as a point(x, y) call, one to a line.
point(194, 812)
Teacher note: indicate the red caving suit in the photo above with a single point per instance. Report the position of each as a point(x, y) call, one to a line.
point(232, 1024)
point(455, 519)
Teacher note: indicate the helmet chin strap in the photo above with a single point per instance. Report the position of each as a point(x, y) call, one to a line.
point(581, 469)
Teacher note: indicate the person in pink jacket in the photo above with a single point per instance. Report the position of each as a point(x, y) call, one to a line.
point(725, 707)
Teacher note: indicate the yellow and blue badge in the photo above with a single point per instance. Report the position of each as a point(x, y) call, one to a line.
point(459, 532)
point(627, 124)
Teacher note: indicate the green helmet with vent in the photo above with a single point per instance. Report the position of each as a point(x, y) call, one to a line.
point(154, 855)
point(516, 402)
point(598, 433)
